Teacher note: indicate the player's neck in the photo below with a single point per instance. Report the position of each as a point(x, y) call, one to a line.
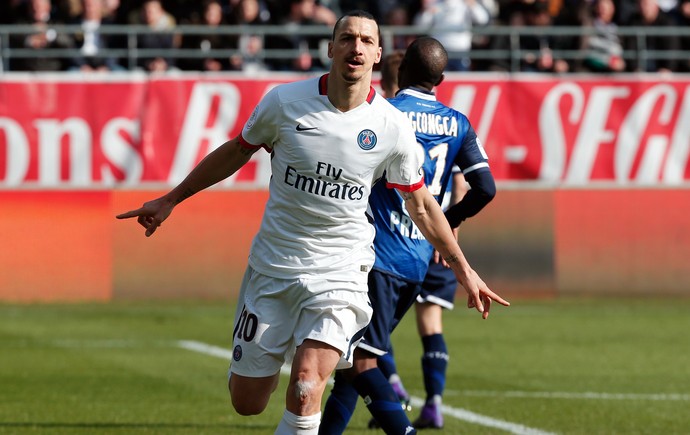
point(347, 96)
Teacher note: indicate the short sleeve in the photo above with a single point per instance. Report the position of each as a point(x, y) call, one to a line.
point(261, 129)
point(404, 169)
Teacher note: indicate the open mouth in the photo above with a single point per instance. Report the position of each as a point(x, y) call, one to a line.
point(354, 63)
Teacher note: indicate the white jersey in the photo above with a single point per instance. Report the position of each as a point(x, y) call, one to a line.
point(324, 163)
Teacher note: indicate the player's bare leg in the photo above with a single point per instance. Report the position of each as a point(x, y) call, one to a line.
point(429, 318)
point(261, 388)
point(312, 366)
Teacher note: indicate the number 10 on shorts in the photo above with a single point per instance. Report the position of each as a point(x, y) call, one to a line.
point(246, 326)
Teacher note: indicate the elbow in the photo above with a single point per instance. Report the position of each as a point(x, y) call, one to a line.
point(490, 194)
point(487, 192)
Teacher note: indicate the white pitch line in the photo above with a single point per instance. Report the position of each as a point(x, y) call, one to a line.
point(472, 417)
point(459, 413)
point(583, 395)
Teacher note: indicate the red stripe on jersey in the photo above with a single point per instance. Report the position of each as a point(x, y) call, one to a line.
point(408, 188)
point(372, 94)
point(249, 146)
point(323, 85)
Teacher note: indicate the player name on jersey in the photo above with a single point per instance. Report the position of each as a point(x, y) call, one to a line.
point(430, 123)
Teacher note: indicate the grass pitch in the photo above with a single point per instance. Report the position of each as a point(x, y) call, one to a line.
point(589, 366)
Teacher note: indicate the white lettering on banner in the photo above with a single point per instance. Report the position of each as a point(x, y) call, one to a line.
point(592, 132)
point(632, 131)
point(624, 131)
point(463, 98)
point(658, 163)
point(194, 131)
point(679, 153)
point(553, 141)
point(50, 134)
point(487, 117)
point(17, 162)
point(120, 152)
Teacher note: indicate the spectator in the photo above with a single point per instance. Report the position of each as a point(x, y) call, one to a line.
point(332, 5)
point(451, 23)
point(249, 13)
point(399, 16)
point(238, 11)
point(571, 13)
point(604, 48)
point(161, 23)
point(184, 11)
point(536, 49)
point(389, 73)
point(324, 11)
point(670, 8)
point(39, 14)
point(372, 6)
point(684, 20)
point(10, 11)
point(302, 13)
point(90, 40)
point(649, 15)
point(212, 18)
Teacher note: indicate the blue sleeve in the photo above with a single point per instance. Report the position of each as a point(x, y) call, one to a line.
point(471, 155)
point(482, 191)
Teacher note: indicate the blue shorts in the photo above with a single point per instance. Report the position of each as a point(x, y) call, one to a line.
point(439, 286)
point(390, 298)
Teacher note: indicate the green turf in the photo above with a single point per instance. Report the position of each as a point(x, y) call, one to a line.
point(116, 368)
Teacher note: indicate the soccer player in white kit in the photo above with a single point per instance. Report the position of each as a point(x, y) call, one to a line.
point(305, 288)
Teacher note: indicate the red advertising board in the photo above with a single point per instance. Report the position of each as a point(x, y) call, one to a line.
point(57, 131)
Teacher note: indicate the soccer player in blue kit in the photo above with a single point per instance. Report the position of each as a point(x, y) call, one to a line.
point(439, 286)
point(445, 138)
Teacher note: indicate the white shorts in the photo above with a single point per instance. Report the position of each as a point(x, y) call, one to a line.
point(274, 316)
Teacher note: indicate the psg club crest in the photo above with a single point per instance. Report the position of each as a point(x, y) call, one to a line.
point(237, 353)
point(366, 139)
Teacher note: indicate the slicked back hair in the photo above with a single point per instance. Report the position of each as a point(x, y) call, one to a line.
point(359, 14)
point(425, 60)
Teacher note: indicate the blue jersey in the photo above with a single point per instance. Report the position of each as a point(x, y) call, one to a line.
point(445, 138)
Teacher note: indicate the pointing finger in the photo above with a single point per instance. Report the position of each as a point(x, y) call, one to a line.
point(491, 295)
point(129, 214)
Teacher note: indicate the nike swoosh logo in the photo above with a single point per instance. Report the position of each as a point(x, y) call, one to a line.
point(300, 128)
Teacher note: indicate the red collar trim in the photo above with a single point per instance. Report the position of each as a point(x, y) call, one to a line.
point(323, 85)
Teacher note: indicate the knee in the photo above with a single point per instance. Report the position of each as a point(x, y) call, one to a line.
point(305, 390)
point(244, 403)
point(242, 407)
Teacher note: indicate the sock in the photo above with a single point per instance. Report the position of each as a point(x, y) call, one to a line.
point(339, 407)
point(434, 364)
point(382, 402)
point(386, 364)
point(292, 424)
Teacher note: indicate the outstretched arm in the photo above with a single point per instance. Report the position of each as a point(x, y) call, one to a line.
point(429, 218)
point(217, 166)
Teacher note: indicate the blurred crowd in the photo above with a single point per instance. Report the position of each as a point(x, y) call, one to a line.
point(451, 21)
